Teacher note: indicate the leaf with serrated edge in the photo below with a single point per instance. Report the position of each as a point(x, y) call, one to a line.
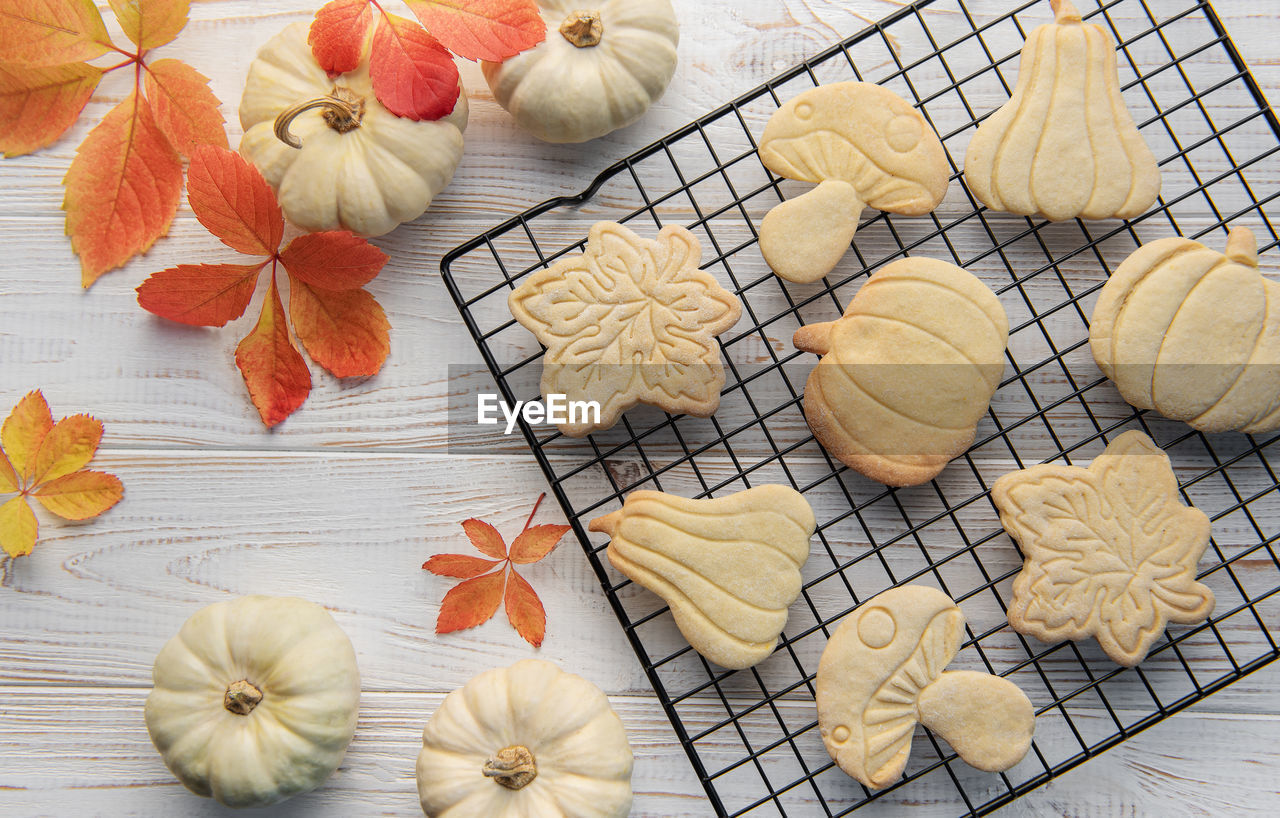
point(233, 201)
point(274, 372)
point(459, 566)
point(333, 260)
point(24, 430)
point(482, 29)
point(413, 75)
point(149, 23)
point(184, 107)
point(202, 295)
point(122, 189)
point(68, 447)
point(524, 610)
point(51, 32)
point(38, 104)
point(345, 332)
point(338, 33)
point(536, 542)
point(18, 527)
point(485, 538)
point(470, 603)
point(81, 495)
point(9, 479)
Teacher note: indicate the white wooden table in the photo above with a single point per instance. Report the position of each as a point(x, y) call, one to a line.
point(344, 501)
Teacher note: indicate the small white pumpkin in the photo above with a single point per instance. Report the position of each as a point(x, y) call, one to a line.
point(526, 741)
point(255, 700)
point(603, 64)
point(360, 167)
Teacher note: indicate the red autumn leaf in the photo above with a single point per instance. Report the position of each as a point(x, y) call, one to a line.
point(346, 332)
point(413, 75)
point(150, 23)
point(333, 260)
point(482, 29)
point(470, 603)
point(37, 104)
point(51, 32)
point(202, 295)
point(459, 566)
point(274, 372)
point(485, 538)
point(183, 106)
point(524, 610)
point(123, 189)
point(233, 201)
point(535, 543)
point(338, 33)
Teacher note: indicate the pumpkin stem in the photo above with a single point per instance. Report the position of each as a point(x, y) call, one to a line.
point(513, 767)
point(343, 111)
point(583, 28)
point(1242, 247)
point(1064, 12)
point(241, 697)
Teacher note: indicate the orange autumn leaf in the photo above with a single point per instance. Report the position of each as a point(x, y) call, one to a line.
point(46, 460)
point(338, 33)
point(149, 23)
point(38, 104)
point(334, 260)
point(202, 295)
point(346, 332)
point(277, 377)
point(413, 76)
point(51, 32)
point(183, 106)
point(234, 202)
point(491, 30)
point(476, 600)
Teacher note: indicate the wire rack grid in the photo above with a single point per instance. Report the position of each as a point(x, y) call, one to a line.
point(752, 735)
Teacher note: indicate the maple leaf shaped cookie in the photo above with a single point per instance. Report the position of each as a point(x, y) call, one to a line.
point(629, 321)
point(1110, 550)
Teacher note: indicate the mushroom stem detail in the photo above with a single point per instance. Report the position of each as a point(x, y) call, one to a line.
point(241, 697)
point(804, 238)
point(513, 767)
point(583, 29)
point(343, 110)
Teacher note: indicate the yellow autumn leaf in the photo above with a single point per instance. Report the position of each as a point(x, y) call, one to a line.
point(9, 480)
point(81, 495)
point(17, 527)
point(68, 447)
point(24, 430)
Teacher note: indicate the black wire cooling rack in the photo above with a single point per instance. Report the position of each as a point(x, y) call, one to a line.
point(752, 735)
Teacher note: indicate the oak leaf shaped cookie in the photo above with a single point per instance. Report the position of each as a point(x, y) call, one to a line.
point(1064, 146)
point(883, 671)
point(1193, 334)
point(1110, 550)
point(629, 321)
point(907, 372)
point(728, 567)
point(864, 146)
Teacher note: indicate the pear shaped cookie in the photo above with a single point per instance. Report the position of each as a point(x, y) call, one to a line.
point(728, 567)
point(1193, 334)
point(907, 372)
point(864, 146)
point(1064, 146)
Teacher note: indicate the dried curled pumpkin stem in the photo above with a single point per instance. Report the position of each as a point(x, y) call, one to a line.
point(343, 110)
point(583, 28)
point(241, 697)
point(513, 767)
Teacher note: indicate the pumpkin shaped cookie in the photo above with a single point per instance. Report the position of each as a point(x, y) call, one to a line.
point(1064, 146)
point(907, 372)
point(1193, 334)
point(864, 146)
point(728, 567)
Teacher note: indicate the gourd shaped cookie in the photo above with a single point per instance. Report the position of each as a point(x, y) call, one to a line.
point(865, 147)
point(882, 672)
point(629, 321)
point(907, 372)
point(1064, 146)
point(728, 567)
point(1193, 334)
point(1110, 550)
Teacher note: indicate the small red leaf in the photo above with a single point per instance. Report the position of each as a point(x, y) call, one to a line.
point(338, 33)
point(37, 105)
point(482, 29)
point(470, 603)
point(233, 201)
point(485, 538)
point(274, 371)
point(346, 332)
point(536, 542)
point(334, 260)
point(203, 295)
point(459, 565)
point(183, 106)
point(524, 610)
point(413, 75)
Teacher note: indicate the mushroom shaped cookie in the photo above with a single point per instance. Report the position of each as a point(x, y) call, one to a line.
point(882, 671)
point(907, 372)
point(864, 146)
point(1064, 146)
point(1193, 334)
point(728, 567)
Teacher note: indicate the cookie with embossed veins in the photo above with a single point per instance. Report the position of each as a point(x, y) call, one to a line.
point(864, 146)
point(1193, 334)
point(907, 372)
point(1064, 146)
point(629, 321)
point(728, 567)
point(883, 671)
point(1110, 550)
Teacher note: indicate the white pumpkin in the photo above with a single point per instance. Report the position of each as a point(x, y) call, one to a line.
point(255, 700)
point(603, 64)
point(526, 741)
point(360, 167)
